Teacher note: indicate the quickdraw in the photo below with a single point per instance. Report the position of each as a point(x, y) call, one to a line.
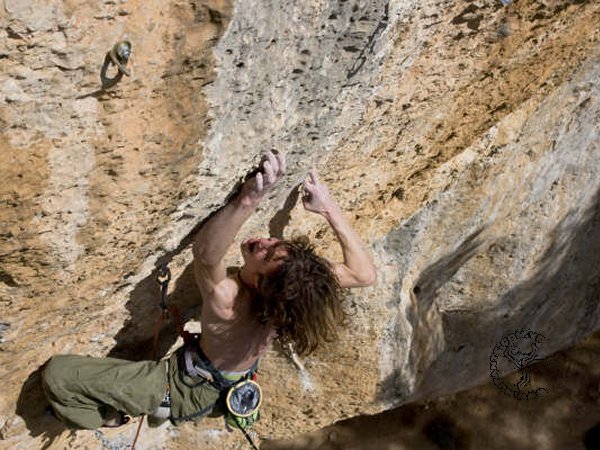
point(163, 277)
point(119, 55)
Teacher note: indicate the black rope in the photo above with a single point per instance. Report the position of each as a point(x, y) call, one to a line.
point(246, 435)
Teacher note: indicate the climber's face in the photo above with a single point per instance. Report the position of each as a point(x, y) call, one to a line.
point(262, 255)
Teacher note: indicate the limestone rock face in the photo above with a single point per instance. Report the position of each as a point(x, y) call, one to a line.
point(460, 137)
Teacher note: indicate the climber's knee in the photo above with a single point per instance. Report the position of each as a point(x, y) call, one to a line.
point(56, 374)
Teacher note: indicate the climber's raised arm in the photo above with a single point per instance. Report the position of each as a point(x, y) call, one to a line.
point(357, 269)
point(217, 234)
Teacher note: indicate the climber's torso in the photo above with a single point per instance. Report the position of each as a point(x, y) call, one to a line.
point(233, 340)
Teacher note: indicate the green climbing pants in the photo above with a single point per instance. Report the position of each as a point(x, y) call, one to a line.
point(80, 388)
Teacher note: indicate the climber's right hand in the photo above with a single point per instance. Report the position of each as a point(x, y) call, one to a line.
point(270, 172)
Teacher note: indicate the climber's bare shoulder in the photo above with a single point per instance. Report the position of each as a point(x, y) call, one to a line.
point(231, 337)
point(218, 290)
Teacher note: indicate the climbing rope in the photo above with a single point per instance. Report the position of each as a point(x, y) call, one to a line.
point(246, 434)
point(163, 278)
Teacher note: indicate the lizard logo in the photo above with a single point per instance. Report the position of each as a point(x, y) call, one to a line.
point(516, 350)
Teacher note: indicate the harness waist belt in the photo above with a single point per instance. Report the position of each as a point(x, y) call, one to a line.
point(193, 369)
point(198, 365)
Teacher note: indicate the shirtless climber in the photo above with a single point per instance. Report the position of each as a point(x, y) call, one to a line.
point(283, 291)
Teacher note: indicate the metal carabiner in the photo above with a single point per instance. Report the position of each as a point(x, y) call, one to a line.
point(163, 277)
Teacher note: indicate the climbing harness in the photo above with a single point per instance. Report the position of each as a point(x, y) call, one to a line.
point(239, 399)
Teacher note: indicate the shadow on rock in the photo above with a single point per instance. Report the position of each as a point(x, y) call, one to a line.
point(591, 439)
point(424, 315)
point(135, 341)
point(565, 289)
point(281, 219)
point(32, 407)
point(440, 272)
point(483, 417)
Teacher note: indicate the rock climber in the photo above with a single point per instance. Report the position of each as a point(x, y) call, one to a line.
point(283, 291)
